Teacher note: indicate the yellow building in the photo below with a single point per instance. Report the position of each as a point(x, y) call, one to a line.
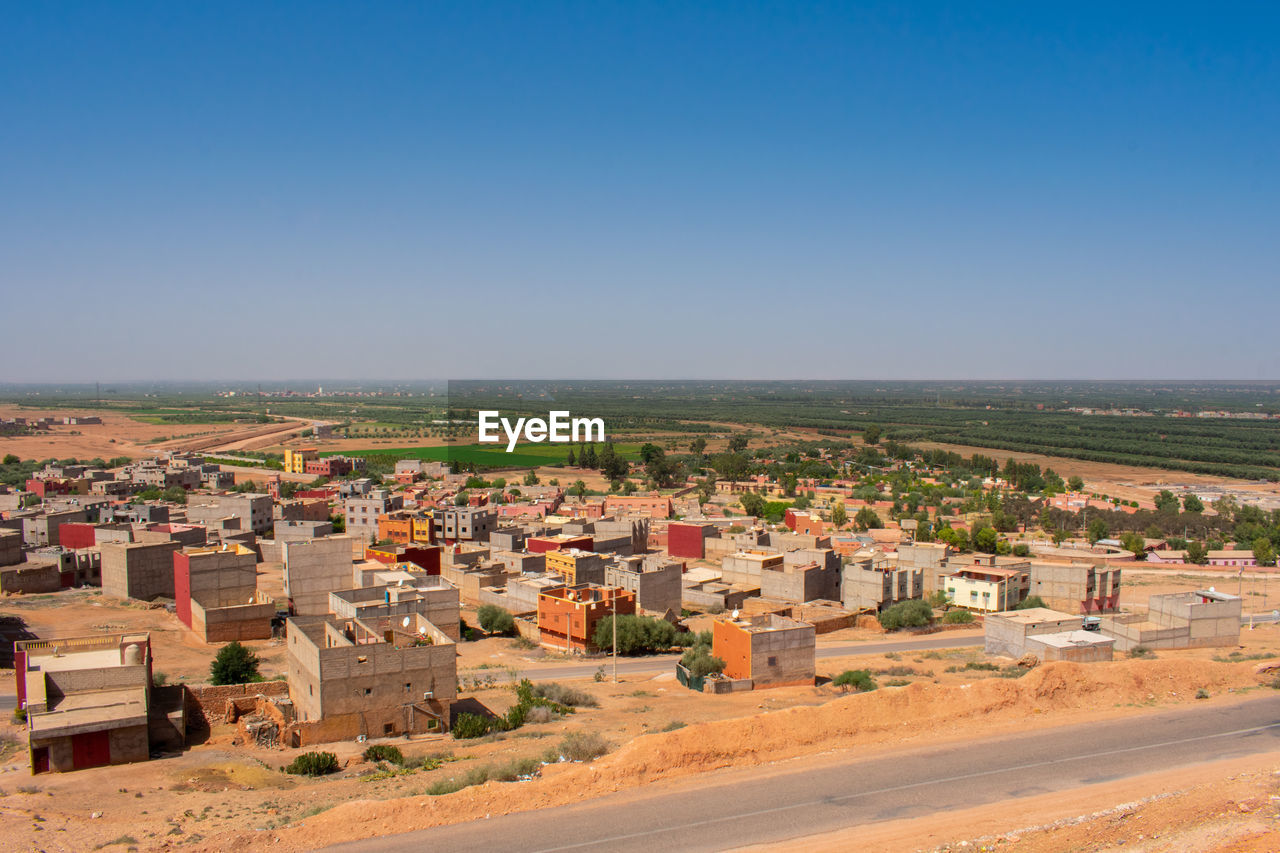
point(576, 566)
point(987, 588)
point(295, 461)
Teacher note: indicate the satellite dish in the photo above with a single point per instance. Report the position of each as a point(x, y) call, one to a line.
point(1211, 589)
point(735, 613)
point(422, 629)
point(405, 622)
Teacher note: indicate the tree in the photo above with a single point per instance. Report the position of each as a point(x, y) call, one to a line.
point(752, 504)
point(587, 459)
point(531, 479)
point(866, 519)
point(637, 635)
point(1029, 602)
point(906, 614)
point(839, 515)
point(10, 459)
point(1191, 503)
point(700, 662)
point(648, 450)
point(731, 466)
point(234, 664)
point(1166, 502)
point(570, 460)
point(858, 679)
point(1097, 530)
point(986, 540)
point(579, 489)
point(495, 620)
point(737, 443)
point(698, 445)
point(871, 435)
point(1264, 552)
point(1135, 543)
point(1075, 484)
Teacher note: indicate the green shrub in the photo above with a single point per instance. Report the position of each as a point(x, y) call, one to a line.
point(637, 635)
point(469, 725)
point(858, 679)
point(1029, 602)
point(19, 716)
point(700, 662)
point(234, 664)
point(958, 617)
point(1141, 652)
point(906, 614)
point(384, 752)
point(313, 764)
point(1202, 693)
point(495, 620)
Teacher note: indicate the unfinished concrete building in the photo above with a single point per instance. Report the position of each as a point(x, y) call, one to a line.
point(655, 580)
point(429, 596)
point(1179, 620)
point(576, 566)
point(1006, 633)
point(138, 569)
point(765, 651)
point(313, 569)
point(746, 567)
point(216, 594)
point(1076, 587)
point(90, 702)
point(10, 547)
point(800, 578)
point(875, 585)
point(376, 678)
point(253, 511)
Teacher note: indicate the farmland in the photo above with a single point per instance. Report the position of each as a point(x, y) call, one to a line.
point(484, 455)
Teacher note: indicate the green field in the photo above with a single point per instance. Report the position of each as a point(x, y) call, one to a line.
point(487, 455)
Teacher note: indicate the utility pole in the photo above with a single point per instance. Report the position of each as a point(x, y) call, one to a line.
point(615, 635)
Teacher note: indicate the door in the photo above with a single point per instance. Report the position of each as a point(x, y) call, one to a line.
point(91, 749)
point(40, 760)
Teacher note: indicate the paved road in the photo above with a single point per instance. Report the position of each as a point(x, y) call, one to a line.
point(755, 806)
point(8, 702)
point(666, 663)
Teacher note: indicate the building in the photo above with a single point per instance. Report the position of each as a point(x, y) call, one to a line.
point(371, 678)
point(90, 702)
point(406, 526)
point(425, 557)
point(575, 566)
point(138, 570)
point(362, 513)
point(567, 615)
point(654, 580)
point(1006, 633)
point(433, 598)
point(332, 466)
point(653, 505)
point(987, 588)
point(869, 585)
point(688, 540)
point(469, 524)
point(295, 461)
point(252, 511)
point(314, 568)
point(1179, 620)
point(1076, 587)
point(559, 542)
point(1232, 559)
point(766, 651)
point(10, 547)
point(748, 566)
point(216, 594)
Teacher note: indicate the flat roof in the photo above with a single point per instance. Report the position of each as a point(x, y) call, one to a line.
point(1036, 614)
point(1070, 639)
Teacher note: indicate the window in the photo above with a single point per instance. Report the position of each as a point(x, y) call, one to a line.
point(773, 661)
point(368, 691)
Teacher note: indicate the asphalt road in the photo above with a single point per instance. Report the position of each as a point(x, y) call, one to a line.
point(656, 664)
point(761, 806)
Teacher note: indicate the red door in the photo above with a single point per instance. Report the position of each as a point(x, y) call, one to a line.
point(91, 749)
point(40, 759)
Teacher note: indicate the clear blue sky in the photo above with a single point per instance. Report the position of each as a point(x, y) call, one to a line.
point(830, 190)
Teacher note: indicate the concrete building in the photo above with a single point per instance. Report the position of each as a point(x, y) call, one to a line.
point(468, 524)
point(431, 597)
point(90, 702)
point(930, 558)
point(294, 531)
point(688, 540)
point(1076, 646)
point(10, 547)
point(41, 529)
point(1179, 620)
point(375, 678)
point(654, 580)
point(747, 566)
point(313, 569)
point(295, 460)
point(653, 505)
point(1076, 587)
point(567, 615)
point(766, 651)
point(216, 594)
point(253, 511)
point(1006, 633)
point(362, 513)
point(872, 585)
point(138, 569)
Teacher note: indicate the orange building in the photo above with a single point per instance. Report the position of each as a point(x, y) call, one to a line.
point(567, 615)
point(558, 542)
point(768, 650)
point(405, 527)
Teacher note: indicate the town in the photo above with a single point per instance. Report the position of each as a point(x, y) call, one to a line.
point(309, 614)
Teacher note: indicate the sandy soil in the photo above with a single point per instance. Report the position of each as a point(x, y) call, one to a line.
point(117, 435)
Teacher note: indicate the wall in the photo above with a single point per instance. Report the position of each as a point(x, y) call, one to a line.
point(142, 571)
point(313, 569)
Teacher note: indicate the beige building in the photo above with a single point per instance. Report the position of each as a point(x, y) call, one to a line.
point(138, 570)
point(313, 569)
point(1179, 620)
point(373, 677)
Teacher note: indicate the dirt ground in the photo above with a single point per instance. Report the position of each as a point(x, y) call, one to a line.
point(117, 435)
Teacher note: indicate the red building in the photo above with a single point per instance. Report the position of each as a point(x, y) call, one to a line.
point(329, 466)
point(76, 534)
point(425, 557)
point(688, 540)
point(44, 488)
